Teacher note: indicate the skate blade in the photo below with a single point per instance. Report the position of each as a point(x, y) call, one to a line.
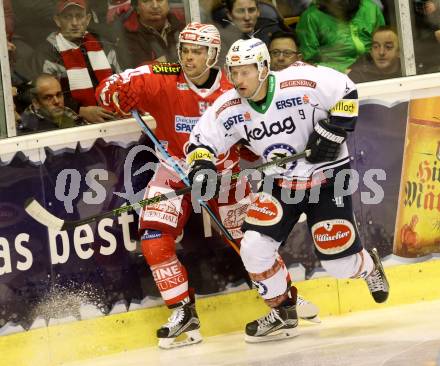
point(307, 310)
point(313, 319)
point(185, 339)
point(276, 336)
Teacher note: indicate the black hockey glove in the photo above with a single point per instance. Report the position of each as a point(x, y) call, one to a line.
point(202, 170)
point(325, 142)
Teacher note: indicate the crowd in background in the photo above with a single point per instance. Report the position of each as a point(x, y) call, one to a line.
point(59, 50)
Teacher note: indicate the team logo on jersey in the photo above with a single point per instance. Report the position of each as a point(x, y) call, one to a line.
point(346, 108)
point(226, 105)
point(182, 86)
point(279, 151)
point(166, 69)
point(298, 83)
point(185, 124)
point(333, 236)
point(266, 210)
point(285, 126)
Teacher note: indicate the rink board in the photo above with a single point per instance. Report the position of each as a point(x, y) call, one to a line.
point(80, 340)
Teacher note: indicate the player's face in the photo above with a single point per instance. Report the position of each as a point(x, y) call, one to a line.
point(244, 15)
point(283, 53)
point(385, 50)
point(50, 97)
point(245, 79)
point(73, 22)
point(193, 58)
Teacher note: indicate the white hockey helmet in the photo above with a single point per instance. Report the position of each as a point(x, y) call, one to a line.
point(202, 35)
point(248, 51)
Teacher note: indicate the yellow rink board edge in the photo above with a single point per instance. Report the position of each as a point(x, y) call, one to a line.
point(58, 344)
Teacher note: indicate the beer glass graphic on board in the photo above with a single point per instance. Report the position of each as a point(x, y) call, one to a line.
point(417, 229)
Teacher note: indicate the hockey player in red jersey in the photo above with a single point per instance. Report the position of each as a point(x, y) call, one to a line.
point(302, 107)
point(176, 95)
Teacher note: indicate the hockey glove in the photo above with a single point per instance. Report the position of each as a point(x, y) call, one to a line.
point(325, 142)
point(116, 96)
point(202, 170)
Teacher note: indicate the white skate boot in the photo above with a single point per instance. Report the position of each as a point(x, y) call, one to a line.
point(182, 322)
point(377, 280)
point(280, 323)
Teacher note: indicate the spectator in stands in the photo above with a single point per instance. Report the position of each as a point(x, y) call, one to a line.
point(116, 8)
point(335, 33)
point(427, 35)
point(78, 59)
point(47, 111)
point(149, 33)
point(245, 19)
point(383, 61)
point(283, 50)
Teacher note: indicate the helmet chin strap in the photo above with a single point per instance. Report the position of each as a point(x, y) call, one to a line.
point(259, 85)
point(200, 75)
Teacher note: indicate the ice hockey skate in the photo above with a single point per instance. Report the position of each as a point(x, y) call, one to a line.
point(307, 310)
point(182, 328)
point(377, 281)
point(280, 323)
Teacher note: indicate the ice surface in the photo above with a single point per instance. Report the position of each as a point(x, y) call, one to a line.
point(407, 335)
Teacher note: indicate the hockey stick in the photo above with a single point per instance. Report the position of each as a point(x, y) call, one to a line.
point(178, 169)
point(44, 217)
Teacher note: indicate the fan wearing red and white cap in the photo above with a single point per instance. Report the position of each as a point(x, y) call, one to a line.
point(72, 18)
point(64, 4)
point(78, 59)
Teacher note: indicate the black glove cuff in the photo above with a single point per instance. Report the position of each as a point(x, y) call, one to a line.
point(329, 132)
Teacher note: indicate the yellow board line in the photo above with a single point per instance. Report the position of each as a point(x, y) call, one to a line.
point(58, 344)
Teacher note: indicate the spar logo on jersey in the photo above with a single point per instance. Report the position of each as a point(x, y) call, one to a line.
point(226, 105)
point(333, 236)
point(185, 124)
point(298, 83)
point(279, 151)
point(285, 126)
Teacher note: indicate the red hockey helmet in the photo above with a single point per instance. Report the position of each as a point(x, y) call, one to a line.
point(202, 35)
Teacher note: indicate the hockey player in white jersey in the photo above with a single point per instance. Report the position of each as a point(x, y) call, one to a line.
point(278, 114)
